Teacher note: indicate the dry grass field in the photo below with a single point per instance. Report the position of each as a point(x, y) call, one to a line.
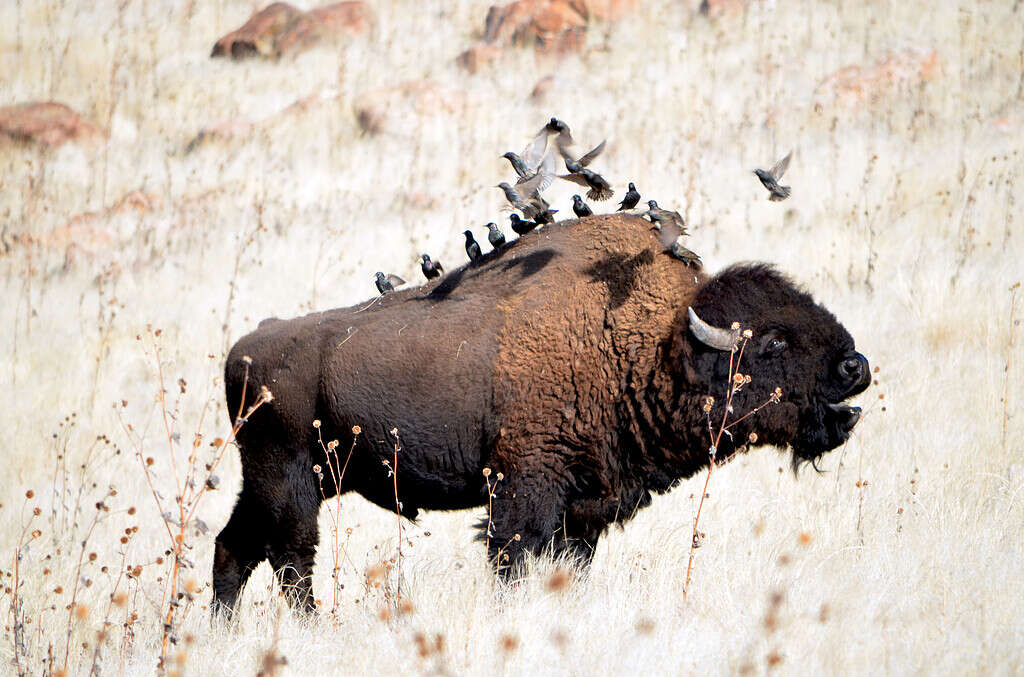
point(222, 192)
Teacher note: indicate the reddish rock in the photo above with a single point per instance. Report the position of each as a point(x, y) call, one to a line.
point(868, 83)
point(47, 123)
point(281, 28)
point(550, 25)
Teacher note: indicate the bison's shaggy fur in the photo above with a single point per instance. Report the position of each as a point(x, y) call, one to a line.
point(562, 360)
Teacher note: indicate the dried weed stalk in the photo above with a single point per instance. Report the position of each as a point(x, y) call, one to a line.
point(737, 380)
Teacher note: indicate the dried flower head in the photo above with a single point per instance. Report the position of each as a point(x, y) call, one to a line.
point(747, 334)
point(316, 423)
point(558, 580)
point(487, 472)
point(266, 395)
point(246, 359)
point(509, 643)
point(356, 430)
point(317, 469)
point(752, 437)
point(735, 326)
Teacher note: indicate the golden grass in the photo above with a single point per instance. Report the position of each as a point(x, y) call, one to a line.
point(905, 557)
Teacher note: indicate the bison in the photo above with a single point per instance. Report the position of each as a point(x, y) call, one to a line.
point(577, 361)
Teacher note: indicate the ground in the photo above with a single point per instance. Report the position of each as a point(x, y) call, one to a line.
point(225, 192)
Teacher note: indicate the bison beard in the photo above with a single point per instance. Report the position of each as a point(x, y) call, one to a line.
point(564, 360)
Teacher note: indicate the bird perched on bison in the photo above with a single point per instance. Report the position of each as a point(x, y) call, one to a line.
point(577, 362)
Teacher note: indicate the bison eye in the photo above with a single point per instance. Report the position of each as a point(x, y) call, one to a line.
point(774, 345)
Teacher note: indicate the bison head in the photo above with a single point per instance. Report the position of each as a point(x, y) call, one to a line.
point(796, 345)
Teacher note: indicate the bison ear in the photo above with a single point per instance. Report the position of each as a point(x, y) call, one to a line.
point(710, 335)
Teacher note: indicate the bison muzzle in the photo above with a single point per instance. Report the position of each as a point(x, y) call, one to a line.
point(568, 360)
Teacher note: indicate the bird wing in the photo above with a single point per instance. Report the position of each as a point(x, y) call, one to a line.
point(512, 196)
point(668, 232)
point(527, 188)
point(575, 178)
point(546, 171)
point(592, 154)
point(395, 280)
point(780, 167)
point(534, 151)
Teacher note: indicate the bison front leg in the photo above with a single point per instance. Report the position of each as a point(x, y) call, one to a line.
point(578, 538)
point(525, 517)
point(240, 547)
point(291, 552)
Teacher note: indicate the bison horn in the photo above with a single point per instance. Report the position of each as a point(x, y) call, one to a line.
point(710, 335)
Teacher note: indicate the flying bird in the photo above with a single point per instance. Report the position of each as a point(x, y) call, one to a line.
point(387, 283)
point(519, 226)
point(518, 165)
point(472, 246)
point(600, 189)
point(631, 199)
point(431, 269)
point(661, 217)
point(494, 235)
point(556, 126)
point(685, 255)
point(581, 208)
point(545, 216)
point(669, 224)
point(770, 179)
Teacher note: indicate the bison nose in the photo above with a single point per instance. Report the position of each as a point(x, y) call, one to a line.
point(854, 370)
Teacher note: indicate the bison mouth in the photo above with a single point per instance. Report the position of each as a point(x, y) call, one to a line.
point(829, 423)
point(830, 426)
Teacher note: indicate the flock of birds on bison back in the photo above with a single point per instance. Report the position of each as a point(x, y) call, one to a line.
point(535, 169)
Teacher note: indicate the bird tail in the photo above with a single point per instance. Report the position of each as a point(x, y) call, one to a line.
point(781, 194)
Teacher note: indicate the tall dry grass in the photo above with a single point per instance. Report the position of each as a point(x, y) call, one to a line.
point(904, 556)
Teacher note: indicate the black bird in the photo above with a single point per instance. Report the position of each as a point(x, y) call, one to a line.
point(556, 126)
point(669, 224)
point(600, 189)
point(770, 179)
point(387, 283)
point(661, 217)
point(524, 192)
point(580, 207)
point(494, 235)
point(517, 164)
point(685, 255)
point(520, 227)
point(472, 246)
point(631, 199)
point(545, 216)
point(431, 269)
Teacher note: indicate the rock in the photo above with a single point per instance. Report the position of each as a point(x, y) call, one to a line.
point(48, 123)
point(855, 85)
point(553, 25)
point(549, 25)
point(281, 28)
